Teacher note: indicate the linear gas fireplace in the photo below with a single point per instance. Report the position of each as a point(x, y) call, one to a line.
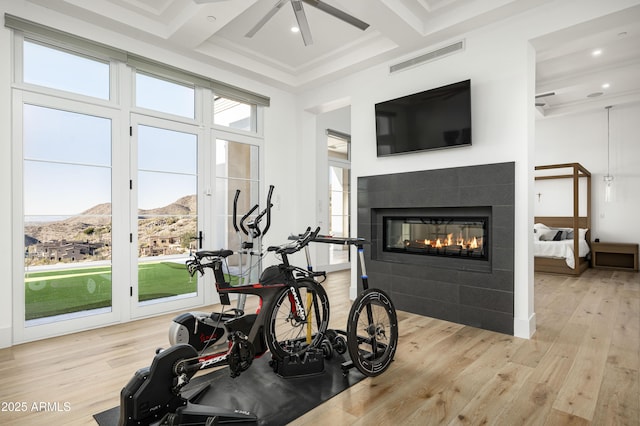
point(464, 237)
point(442, 242)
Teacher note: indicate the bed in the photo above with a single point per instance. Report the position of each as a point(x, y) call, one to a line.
point(561, 243)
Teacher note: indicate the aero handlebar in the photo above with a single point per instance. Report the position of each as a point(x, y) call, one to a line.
point(298, 244)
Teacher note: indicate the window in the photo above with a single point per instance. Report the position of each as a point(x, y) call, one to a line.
point(237, 167)
point(234, 114)
point(164, 96)
point(338, 149)
point(111, 187)
point(167, 212)
point(67, 214)
point(58, 69)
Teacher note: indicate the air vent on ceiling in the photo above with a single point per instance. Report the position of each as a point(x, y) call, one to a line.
point(428, 57)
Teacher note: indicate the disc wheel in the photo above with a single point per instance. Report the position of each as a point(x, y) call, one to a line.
point(372, 332)
point(287, 334)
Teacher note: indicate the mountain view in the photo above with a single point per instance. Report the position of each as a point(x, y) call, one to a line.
point(87, 236)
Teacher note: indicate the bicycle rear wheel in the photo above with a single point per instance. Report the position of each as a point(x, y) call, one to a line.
point(372, 332)
point(287, 335)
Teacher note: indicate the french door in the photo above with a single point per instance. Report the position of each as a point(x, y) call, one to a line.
point(167, 161)
point(64, 194)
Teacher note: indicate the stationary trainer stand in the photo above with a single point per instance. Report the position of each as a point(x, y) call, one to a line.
point(372, 325)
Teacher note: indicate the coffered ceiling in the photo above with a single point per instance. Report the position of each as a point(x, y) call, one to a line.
point(215, 31)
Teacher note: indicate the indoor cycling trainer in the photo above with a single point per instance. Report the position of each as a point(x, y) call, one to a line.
point(291, 322)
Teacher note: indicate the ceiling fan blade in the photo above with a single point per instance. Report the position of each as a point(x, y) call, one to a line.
point(265, 18)
point(337, 13)
point(544, 95)
point(303, 24)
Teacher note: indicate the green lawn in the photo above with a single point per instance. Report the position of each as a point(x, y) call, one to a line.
point(78, 289)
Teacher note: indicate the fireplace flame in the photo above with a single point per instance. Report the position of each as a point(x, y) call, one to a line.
point(469, 244)
point(474, 243)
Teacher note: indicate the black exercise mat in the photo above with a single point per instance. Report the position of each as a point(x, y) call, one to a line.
point(273, 399)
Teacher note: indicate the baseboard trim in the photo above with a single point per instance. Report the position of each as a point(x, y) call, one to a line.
point(6, 340)
point(524, 328)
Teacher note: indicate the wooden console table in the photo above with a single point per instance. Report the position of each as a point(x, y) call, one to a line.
point(615, 256)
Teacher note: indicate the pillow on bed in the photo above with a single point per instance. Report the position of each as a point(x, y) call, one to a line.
point(582, 234)
point(538, 230)
point(551, 235)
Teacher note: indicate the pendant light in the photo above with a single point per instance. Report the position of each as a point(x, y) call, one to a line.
point(608, 178)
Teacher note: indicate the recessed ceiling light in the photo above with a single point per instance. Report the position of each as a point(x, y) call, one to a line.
point(606, 85)
point(596, 52)
point(211, 18)
point(295, 29)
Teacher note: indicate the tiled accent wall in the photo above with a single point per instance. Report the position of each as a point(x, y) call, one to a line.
point(465, 292)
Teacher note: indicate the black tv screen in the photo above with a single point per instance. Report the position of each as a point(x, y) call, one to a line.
point(433, 119)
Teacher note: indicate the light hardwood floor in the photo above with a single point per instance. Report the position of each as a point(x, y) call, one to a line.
point(581, 367)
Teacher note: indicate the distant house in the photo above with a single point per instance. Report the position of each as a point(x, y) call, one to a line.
point(159, 245)
point(64, 250)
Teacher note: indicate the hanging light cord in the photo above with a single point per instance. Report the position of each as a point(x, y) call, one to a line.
point(608, 138)
point(608, 177)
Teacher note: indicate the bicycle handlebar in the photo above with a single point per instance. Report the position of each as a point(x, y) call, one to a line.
point(298, 244)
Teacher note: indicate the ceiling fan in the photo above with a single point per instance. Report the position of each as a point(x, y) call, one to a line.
point(543, 95)
point(303, 24)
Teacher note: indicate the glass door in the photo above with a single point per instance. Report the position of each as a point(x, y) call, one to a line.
point(66, 201)
point(237, 168)
point(166, 206)
point(339, 155)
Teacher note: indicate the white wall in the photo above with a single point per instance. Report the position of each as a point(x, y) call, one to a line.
point(582, 138)
point(500, 69)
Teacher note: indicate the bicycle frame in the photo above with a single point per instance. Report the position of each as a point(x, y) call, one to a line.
point(248, 331)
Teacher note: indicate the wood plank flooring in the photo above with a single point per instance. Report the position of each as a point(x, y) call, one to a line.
point(580, 368)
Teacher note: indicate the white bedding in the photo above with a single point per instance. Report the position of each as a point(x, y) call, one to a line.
point(560, 249)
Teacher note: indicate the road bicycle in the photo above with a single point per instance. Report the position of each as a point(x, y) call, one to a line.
point(291, 322)
point(205, 331)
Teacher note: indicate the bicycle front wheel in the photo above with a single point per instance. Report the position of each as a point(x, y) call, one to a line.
point(289, 335)
point(372, 332)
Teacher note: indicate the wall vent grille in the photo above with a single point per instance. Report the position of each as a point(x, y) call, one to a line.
point(428, 57)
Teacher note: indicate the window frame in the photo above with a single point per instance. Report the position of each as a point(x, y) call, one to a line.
point(119, 107)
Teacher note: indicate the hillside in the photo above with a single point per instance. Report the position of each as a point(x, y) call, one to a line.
point(94, 224)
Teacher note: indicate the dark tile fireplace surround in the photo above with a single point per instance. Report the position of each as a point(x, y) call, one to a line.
point(470, 291)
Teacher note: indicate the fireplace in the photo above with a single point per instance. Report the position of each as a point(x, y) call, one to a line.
point(436, 236)
point(404, 215)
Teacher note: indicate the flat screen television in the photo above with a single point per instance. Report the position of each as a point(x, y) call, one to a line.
point(434, 119)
